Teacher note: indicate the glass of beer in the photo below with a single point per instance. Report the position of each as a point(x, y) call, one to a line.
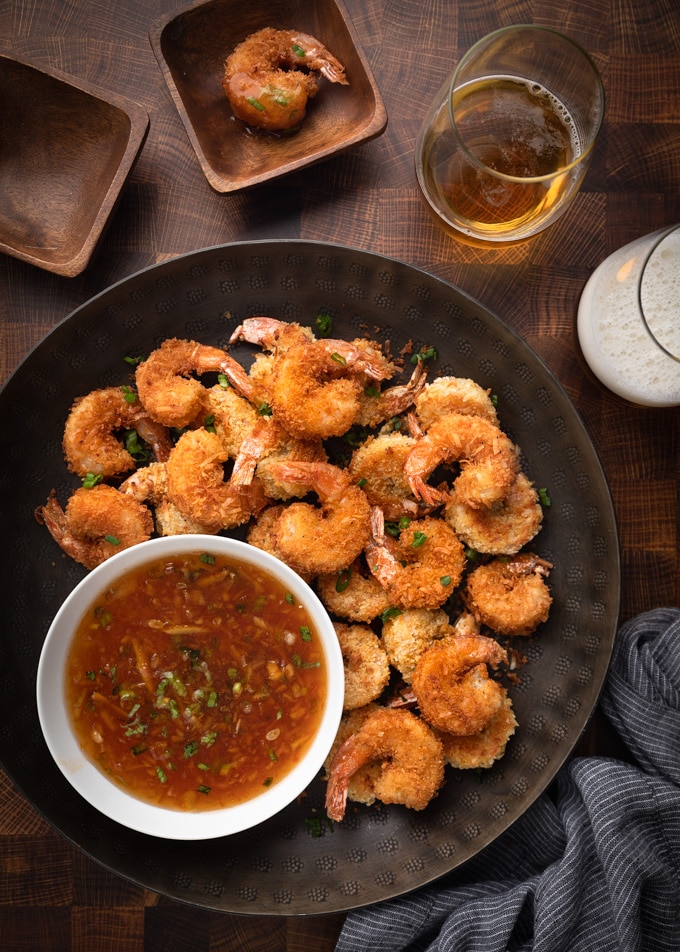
point(509, 138)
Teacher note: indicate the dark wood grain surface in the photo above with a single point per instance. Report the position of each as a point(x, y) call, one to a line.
point(54, 898)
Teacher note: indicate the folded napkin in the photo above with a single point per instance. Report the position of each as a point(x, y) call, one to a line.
point(594, 864)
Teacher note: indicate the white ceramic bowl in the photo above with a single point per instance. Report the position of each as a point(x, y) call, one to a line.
point(111, 799)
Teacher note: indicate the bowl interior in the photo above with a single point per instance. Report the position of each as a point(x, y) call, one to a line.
point(191, 48)
point(64, 154)
point(111, 799)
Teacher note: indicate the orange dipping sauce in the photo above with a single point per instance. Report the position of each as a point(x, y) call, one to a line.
point(195, 682)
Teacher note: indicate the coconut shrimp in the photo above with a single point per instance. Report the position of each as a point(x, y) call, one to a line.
point(316, 385)
point(501, 529)
point(409, 754)
point(170, 393)
point(376, 406)
point(408, 635)
point(232, 416)
point(325, 538)
point(483, 749)
point(420, 568)
point(361, 788)
point(270, 76)
point(91, 443)
point(367, 669)
point(510, 596)
point(266, 444)
point(488, 460)
point(96, 523)
point(196, 484)
point(150, 485)
point(378, 466)
point(353, 593)
point(453, 395)
point(452, 686)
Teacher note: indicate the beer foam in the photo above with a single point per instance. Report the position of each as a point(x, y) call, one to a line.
point(613, 336)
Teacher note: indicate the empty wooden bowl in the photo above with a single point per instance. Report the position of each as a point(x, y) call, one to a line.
point(191, 48)
point(66, 148)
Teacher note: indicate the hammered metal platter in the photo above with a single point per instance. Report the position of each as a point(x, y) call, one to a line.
point(294, 865)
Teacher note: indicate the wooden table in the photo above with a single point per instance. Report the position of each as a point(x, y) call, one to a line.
point(52, 898)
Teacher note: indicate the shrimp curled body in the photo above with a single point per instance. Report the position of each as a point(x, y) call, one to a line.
point(409, 754)
point(452, 684)
point(270, 76)
point(510, 596)
point(488, 459)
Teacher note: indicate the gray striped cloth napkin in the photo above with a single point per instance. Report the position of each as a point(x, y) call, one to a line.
point(594, 864)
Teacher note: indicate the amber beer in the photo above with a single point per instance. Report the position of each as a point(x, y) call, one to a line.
point(502, 153)
point(518, 130)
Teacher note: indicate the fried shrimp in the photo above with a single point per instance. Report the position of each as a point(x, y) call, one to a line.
point(376, 406)
point(96, 523)
point(408, 635)
point(91, 443)
point(483, 749)
point(270, 76)
point(266, 444)
point(316, 385)
point(378, 467)
point(420, 568)
point(196, 484)
point(510, 596)
point(325, 538)
point(488, 460)
point(233, 417)
point(170, 393)
point(150, 485)
point(409, 754)
point(453, 395)
point(501, 529)
point(452, 686)
point(367, 669)
point(353, 593)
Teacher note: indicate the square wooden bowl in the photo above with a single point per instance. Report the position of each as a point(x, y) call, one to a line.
point(66, 149)
point(191, 48)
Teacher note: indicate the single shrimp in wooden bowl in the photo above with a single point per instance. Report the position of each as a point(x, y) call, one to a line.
point(408, 757)
point(325, 538)
point(488, 460)
point(96, 523)
point(421, 566)
point(510, 595)
point(452, 686)
point(167, 387)
point(271, 75)
point(91, 442)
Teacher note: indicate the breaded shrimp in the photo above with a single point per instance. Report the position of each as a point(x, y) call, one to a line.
point(268, 443)
point(170, 393)
point(410, 757)
point(270, 76)
point(325, 538)
point(501, 529)
point(367, 669)
point(96, 523)
point(361, 787)
point(452, 686)
point(353, 593)
point(453, 395)
point(488, 460)
point(150, 485)
point(196, 484)
point(420, 568)
point(483, 749)
point(376, 406)
point(378, 467)
point(408, 635)
point(510, 596)
point(233, 417)
point(316, 385)
point(91, 443)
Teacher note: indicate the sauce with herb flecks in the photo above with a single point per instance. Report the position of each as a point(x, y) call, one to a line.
point(196, 682)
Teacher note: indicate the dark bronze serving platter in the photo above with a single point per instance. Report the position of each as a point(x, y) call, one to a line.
point(294, 864)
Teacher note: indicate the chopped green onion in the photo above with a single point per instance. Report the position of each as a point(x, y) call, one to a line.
point(343, 579)
point(339, 359)
point(129, 394)
point(255, 103)
point(90, 480)
point(324, 324)
point(445, 580)
point(544, 497)
point(114, 540)
point(305, 633)
point(419, 538)
point(298, 50)
point(201, 788)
